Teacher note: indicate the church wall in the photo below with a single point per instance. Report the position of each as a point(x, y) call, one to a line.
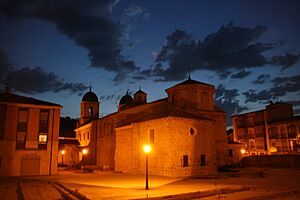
point(192, 96)
point(106, 143)
point(221, 141)
point(172, 140)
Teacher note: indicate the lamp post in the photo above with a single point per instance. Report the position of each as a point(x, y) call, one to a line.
point(84, 152)
point(62, 157)
point(147, 150)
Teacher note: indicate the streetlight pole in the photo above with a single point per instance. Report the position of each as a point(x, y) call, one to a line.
point(62, 157)
point(147, 150)
point(84, 152)
point(147, 186)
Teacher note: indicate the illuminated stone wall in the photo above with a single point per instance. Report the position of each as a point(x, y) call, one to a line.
point(173, 139)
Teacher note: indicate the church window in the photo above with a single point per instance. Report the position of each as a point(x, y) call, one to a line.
point(84, 136)
point(88, 135)
point(230, 153)
point(90, 111)
point(202, 160)
point(173, 99)
point(192, 131)
point(152, 136)
point(185, 160)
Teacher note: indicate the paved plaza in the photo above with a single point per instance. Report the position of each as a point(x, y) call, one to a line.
point(248, 183)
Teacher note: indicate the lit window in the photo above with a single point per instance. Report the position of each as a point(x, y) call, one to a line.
point(90, 111)
point(42, 139)
point(43, 129)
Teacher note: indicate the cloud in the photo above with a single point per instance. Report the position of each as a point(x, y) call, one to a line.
point(230, 48)
point(34, 80)
point(253, 96)
point(129, 19)
point(227, 100)
point(86, 23)
point(223, 74)
point(5, 65)
point(261, 79)
point(281, 87)
point(286, 61)
point(241, 74)
point(111, 97)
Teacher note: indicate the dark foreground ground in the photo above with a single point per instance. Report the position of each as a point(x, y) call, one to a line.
point(247, 184)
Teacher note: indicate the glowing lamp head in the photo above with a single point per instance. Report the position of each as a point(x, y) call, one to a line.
point(63, 152)
point(147, 148)
point(84, 151)
point(243, 151)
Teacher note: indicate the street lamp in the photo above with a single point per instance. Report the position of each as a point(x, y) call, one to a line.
point(243, 151)
point(84, 152)
point(147, 150)
point(62, 157)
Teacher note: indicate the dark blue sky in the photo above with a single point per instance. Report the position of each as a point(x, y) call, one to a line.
point(249, 50)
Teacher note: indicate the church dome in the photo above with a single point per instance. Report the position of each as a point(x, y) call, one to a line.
point(90, 96)
point(126, 100)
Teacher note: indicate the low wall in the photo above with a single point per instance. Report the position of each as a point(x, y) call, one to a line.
point(279, 161)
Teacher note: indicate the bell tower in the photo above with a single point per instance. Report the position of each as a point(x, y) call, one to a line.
point(89, 107)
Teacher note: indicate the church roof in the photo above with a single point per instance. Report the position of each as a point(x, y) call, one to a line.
point(157, 115)
point(90, 96)
point(126, 100)
point(190, 81)
point(7, 97)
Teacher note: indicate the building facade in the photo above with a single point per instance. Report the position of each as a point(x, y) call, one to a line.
point(28, 136)
point(186, 131)
point(273, 130)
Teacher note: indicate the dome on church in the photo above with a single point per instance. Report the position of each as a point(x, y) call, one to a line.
point(90, 96)
point(126, 100)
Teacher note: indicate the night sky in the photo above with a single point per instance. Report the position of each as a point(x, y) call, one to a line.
point(54, 49)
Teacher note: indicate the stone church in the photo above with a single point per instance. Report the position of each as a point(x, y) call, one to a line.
point(186, 130)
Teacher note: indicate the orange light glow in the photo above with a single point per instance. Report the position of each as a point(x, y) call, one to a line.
point(147, 148)
point(243, 151)
point(63, 152)
point(84, 151)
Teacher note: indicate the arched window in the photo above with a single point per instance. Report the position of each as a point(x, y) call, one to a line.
point(90, 111)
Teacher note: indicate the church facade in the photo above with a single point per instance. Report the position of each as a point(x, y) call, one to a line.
point(186, 131)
